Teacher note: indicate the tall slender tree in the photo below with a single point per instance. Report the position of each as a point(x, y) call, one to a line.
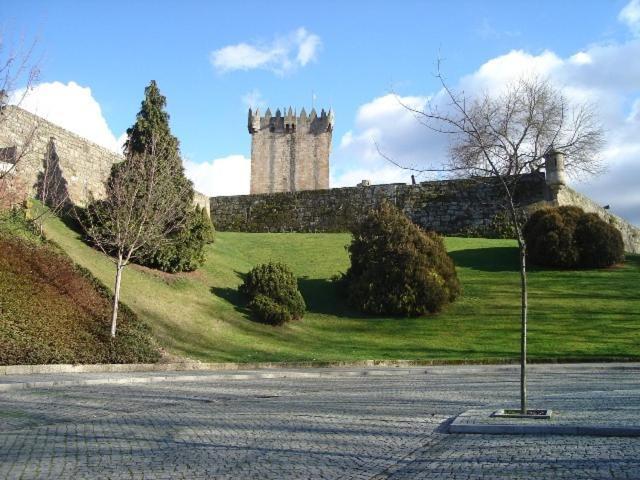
point(151, 130)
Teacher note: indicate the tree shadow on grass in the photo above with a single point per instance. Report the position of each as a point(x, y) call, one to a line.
point(494, 259)
point(324, 296)
point(234, 296)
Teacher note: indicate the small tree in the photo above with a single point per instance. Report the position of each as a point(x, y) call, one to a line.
point(140, 211)
point(506, 135)
point(152, 124)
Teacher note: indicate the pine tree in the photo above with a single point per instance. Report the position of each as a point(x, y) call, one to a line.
point(184, 249)
point(152, 125)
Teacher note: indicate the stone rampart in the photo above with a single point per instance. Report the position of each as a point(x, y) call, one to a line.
point(630, 233)
point(449, 206)
point(84, 165)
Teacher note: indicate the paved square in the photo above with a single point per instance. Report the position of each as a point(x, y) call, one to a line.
point(360, 424)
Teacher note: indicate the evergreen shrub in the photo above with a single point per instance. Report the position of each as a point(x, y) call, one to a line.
point(397, 268)
point(567, 237)
point(273, 294)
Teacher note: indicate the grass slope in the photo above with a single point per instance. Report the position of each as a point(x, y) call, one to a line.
point(574, 314)
point(51, 311)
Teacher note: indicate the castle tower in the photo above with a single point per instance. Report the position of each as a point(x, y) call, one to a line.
point(290, 152)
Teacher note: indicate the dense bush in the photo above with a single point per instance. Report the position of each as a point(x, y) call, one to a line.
point(185, 251)
point(397, 268)
point(273, 294)
point(567, 237)
point(600, 243)
point(52, 311)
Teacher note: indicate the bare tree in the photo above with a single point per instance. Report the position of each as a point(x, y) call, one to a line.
point(139, 212)
point(505, 135)
point(18, 73)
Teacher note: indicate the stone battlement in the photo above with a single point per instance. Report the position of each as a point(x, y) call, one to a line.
point(291, 121)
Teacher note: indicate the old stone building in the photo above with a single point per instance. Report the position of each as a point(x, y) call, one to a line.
point(290, 153)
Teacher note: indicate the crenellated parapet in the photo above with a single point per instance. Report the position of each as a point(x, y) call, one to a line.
point(290, 121)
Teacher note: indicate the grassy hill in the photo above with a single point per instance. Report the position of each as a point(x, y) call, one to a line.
point(574, 314)
point(52, 311)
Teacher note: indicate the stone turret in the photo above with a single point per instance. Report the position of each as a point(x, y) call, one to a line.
point(555, 176)
point(290, 152)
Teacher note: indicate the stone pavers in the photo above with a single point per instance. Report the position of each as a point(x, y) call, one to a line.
point(337, 424)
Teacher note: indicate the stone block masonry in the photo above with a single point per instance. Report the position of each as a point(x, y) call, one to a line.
point(450, 207)
point(290, 153)
point(83, 164)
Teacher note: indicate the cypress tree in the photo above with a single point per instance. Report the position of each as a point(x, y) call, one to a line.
point(185, 250)
point(152, 123)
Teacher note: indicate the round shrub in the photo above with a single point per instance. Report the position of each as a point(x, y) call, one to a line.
point(600, 243)
point(549, 236)
point(567, 237)
point(397, 268)
point(273, 294)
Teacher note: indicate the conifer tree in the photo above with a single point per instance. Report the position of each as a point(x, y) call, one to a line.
point(152, 123)
point(184, 249)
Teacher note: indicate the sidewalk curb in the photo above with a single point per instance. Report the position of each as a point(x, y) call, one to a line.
point(198, 366)
point(588, 430)
point(5, 387)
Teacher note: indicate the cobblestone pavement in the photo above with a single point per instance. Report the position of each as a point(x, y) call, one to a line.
point(340, 426)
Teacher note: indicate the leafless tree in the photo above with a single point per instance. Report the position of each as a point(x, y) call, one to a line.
point(18, 73)
point(505, 135)
point(139, 212)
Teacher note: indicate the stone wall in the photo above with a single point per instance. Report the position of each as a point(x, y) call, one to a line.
point(630, 233)
point(290, 153)
point(83, 164)
point(450, 206)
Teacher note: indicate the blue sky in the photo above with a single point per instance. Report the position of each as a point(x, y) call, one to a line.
point(97, 57)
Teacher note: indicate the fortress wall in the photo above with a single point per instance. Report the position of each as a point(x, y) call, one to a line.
point(450, 206)
point(630, 233)
point(84, 165)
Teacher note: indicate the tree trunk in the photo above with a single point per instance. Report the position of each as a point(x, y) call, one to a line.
point(116, 296)
point(523, 327)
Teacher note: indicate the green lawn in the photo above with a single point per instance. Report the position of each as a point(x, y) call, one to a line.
point(574, 314)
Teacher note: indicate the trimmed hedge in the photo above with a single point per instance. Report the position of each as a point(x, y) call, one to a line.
point(273, 294)
point(397, 268)
point(567, 237)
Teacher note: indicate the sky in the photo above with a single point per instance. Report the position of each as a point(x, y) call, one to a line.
point(362, 59)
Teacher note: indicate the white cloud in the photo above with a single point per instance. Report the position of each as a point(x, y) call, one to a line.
point(222, 176)
point(254, 99)
point(72, 107)
point(376, 175)
point(583, 76)
point(630, 15)
point(283, 54)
